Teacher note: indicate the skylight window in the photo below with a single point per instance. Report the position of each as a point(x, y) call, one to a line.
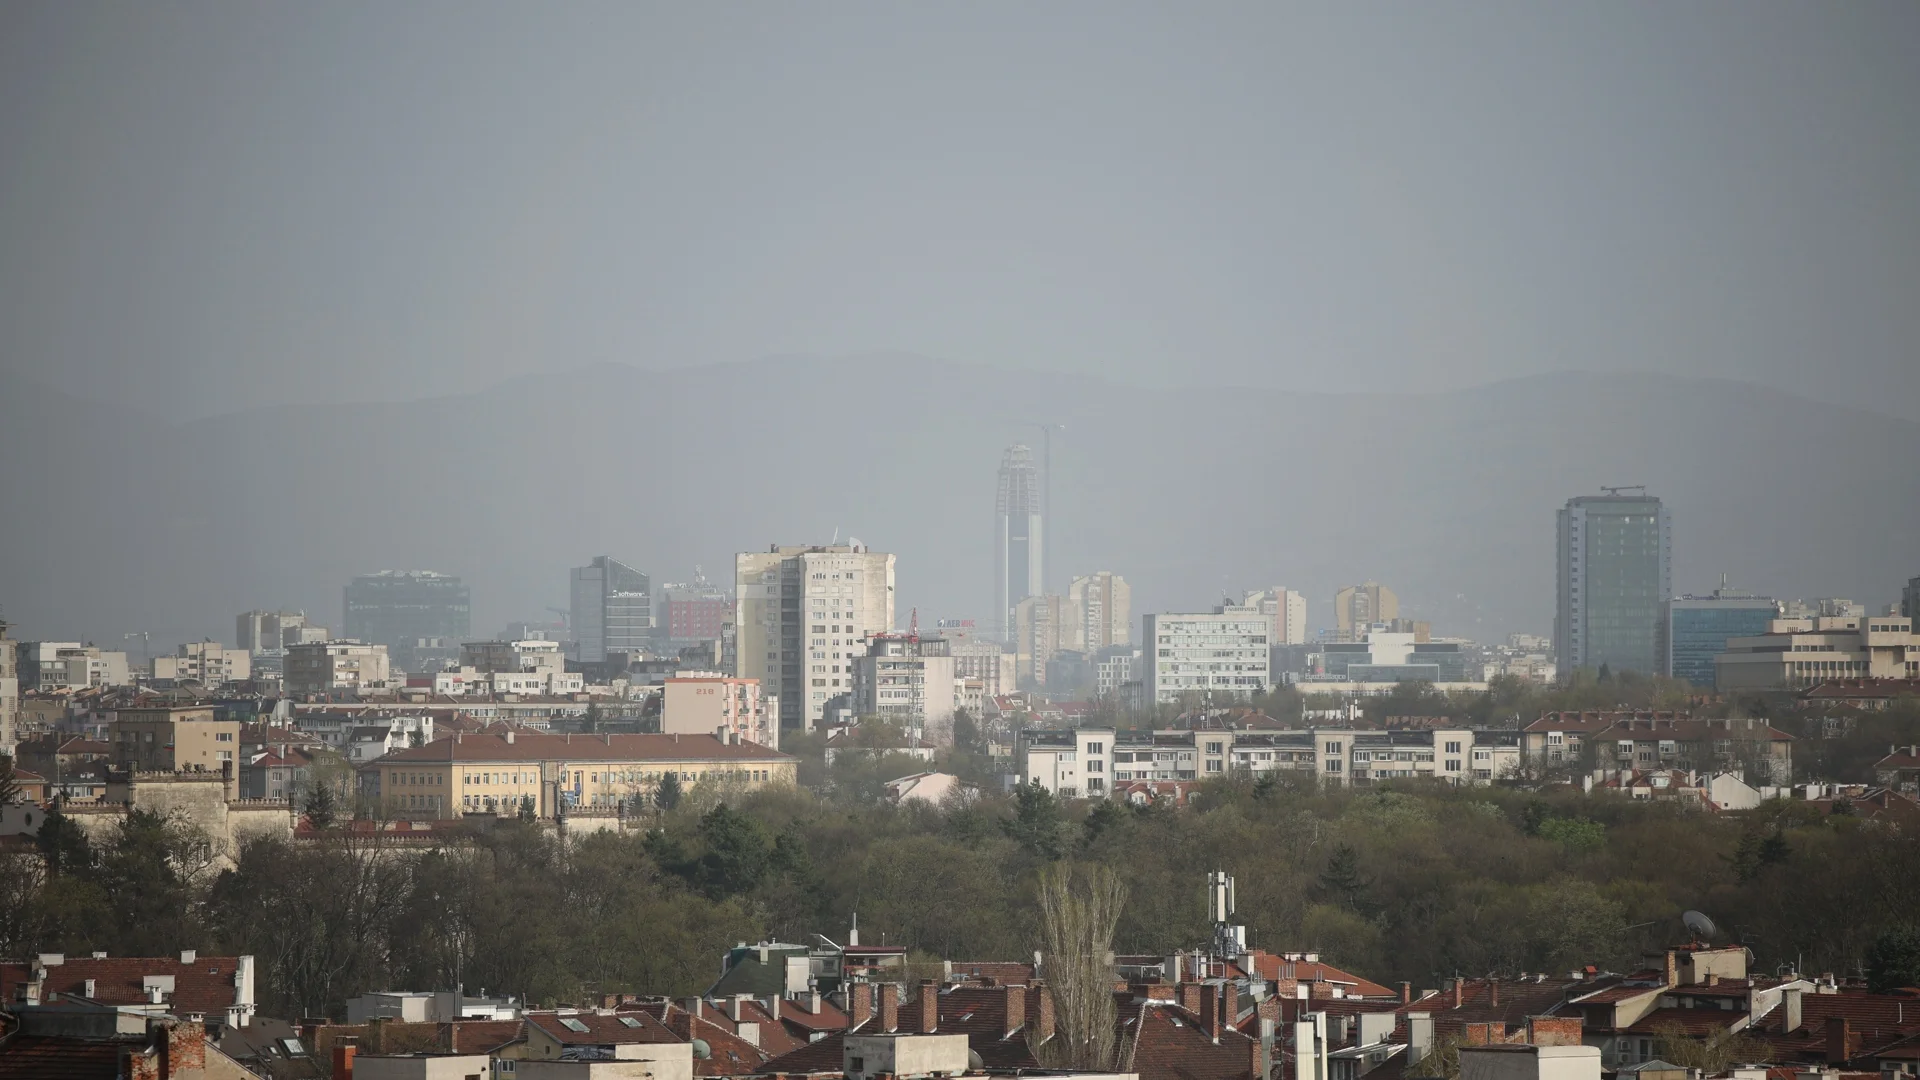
point(630, 1021)
point(571, 1024)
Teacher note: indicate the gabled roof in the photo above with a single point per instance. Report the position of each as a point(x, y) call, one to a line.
point(602, 1029)
point(1271, 966)
point(205, 986)
point(483, 1036)
point(1162, 1041)
point(49, 1058)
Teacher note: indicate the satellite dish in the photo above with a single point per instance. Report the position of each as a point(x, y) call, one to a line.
point(701, 1050)
point(1701, 926)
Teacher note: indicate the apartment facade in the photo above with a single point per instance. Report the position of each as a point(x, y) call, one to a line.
point(907, 680)
point(612, 609)
point(175, 739)
point(1224, 654)
point(477, 773)
point(1357, 607)
point(1287, 608)
point(55, 665)
point(1615, 573)
point(9, 692)
point(1102, 606)
point(1803, 652)
point(1762, 753)
point(324, 667)
point(802, 615)
point(1042, 625)
point(208, 663)
point(703, 703)
point(1095, 762)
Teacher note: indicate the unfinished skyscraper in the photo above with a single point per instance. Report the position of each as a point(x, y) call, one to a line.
point(1018, 538)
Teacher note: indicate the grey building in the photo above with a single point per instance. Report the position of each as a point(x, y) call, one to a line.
point(1910, 599)
point(1019, 537)
point(1695, 629)
point(1615, 559)
point(420, 616)
point(612, 606)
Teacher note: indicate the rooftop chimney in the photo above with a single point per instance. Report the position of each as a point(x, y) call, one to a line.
point(929, 1006)
point(889, 1007)
point(1210, 1011)
point(1041, 1008)
point(1406, 993)
point(1790, 1001)
point(186, 956)
point(1839, 1039)
point(1458, 984)
point(343, 1059)
point(1016, 999)
point(859, 1004)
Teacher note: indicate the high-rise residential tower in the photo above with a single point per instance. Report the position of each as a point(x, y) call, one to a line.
point(1019, 537)
point(1289, 611)
point(421, 616)
point(802, 616)
point(1615, 556)
point(1103, 603)
point(612, 609)
point(1357, 607)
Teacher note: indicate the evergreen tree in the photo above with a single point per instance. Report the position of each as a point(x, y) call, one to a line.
point(10, 791)
point(1342, 879)
point(63, 844)
point(667, 795)
point(1036, 821)
point(323, 806)
point(1894, 959)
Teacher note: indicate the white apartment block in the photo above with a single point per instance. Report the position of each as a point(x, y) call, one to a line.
point(1112, 672)
point(55, 665)
point(208, 663)
point(326, 666)
point(470, 681)
point(1090, 762)
point(1805, 651)
point(911, 682)
point(1225, 654)
point(802, 616)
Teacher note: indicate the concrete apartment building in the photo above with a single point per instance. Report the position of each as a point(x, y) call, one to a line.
point(1224, 654)
point(9, 692)
point(478, 773)
point(905, 679)
point(1644, 741)
point(1615, 573)
point(1095, 762)
point(1102, 606)
point(326, 667)
point(984, 661)
point(1357, 607)
point(208, 663)
point(1803, 652)
point(57, 665)
point(612, 609)
point(268, 633)
point(689, 614)
point(706, 703)
point(802, 615)
point(1694, 630)
point(1042, 625)
point(421, 616)
point(175, 739)
point(1288, 610)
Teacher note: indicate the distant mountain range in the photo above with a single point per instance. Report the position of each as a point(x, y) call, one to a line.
point(117, 522)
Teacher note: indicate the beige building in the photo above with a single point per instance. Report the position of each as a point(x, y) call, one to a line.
point(801, 615)
point(175, 739)
point(1287, 608)
point(1806, 651)
point(1357, 607)
point(208, 663)
point(9, 693)
point(984, 662)
point(477, 773)
point(708, 703)
point(1102, 605)
point(1042, 626)
point(325, 666)
point(53, 665)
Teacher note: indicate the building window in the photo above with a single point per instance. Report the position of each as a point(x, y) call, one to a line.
point(1453, 748)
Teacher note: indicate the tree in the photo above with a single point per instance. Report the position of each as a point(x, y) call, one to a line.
point(10, 791)
point(63, 844)
point(323, 806)
point(1342, 879)
point(1441, 1061)
point(1606, 672)
point(1079, 908)
point(667, 795)
point(1036, 823)
point(1712, 1054)
point(1894, 960)
point(526, 810)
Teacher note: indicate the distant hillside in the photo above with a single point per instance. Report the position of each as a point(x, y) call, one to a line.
point(116, 523)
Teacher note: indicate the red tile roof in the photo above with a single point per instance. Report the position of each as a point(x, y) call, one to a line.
point(482, 1036)
point(46, 1058)
point(1165, 1042)
point(1696, 1022)
point(603, 1030)
point(1272, 967)
point(205, 986)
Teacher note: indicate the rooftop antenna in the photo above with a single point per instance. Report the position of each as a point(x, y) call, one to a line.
point(1700, 926)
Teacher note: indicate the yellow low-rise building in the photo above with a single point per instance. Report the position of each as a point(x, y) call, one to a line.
point(477, 773)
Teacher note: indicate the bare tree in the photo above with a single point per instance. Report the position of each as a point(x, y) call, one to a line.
point(1079, 908)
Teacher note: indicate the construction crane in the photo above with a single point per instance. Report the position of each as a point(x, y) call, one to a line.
point(1615, 491)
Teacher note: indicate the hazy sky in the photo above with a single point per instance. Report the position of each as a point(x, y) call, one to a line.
point(209, 206)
